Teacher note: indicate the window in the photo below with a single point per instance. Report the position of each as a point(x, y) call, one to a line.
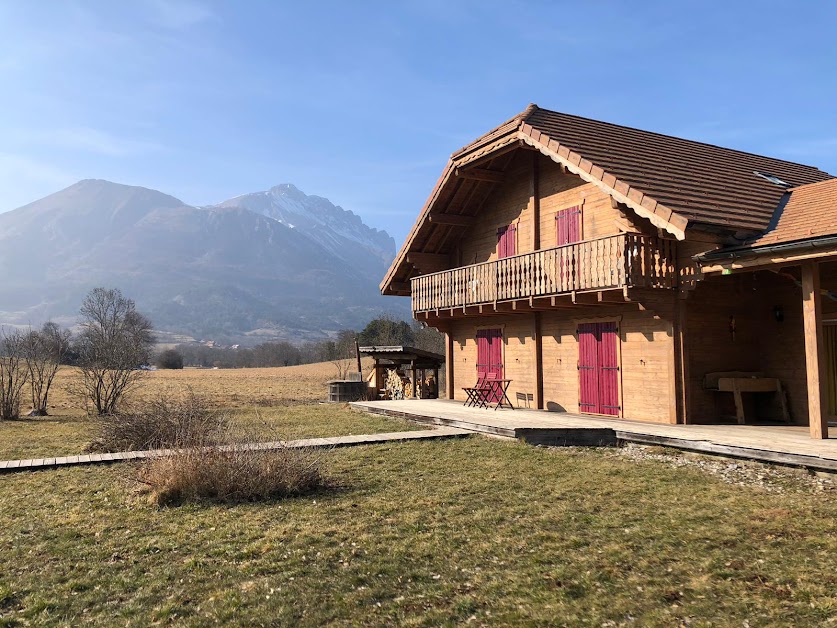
point(568, 225)
point(772, 178)
point(506, 241)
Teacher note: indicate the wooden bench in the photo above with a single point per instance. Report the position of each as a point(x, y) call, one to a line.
point(738, 382)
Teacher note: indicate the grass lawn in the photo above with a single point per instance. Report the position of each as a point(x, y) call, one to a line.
point(55, 436)
point(425, 534)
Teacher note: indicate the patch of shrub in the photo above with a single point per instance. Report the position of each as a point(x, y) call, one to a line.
point(165, 421)
point(170, 359)
point(237, 471)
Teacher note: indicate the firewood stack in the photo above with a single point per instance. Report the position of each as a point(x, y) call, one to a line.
point(394, 385)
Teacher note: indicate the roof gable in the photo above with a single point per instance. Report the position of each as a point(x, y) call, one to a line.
point(671, 181)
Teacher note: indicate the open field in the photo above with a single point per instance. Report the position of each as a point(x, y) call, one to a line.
point(278, 403)
point(230, 388)
point(472, 530)
point(426, 534)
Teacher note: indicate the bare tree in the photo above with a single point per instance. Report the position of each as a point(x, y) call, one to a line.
point(343, 350)
point(43, 352)
point(13, 373)
point(114, 342)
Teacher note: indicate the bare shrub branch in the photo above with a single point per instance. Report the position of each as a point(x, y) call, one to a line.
point(44, 350)
point(115, 341)
point(239, 469)
point(163, 422)
point(13, 373)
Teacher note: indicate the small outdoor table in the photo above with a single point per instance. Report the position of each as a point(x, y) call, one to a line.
point(494, 391)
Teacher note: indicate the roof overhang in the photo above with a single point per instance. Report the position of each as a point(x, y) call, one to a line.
point(727, 260)
point(516, 133)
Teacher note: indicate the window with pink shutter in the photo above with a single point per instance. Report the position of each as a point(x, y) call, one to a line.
point(506, 241)
point(568, 225)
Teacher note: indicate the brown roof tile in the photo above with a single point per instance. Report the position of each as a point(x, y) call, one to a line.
point(704, 183)
point(809, 211)
point(679, 181)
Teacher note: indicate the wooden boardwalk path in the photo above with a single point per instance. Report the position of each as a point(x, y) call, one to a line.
point(34, 464)
point(784, 444)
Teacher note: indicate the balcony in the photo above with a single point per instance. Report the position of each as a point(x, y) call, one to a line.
point(626, 260)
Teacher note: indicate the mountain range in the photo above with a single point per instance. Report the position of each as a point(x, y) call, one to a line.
point(273, 264)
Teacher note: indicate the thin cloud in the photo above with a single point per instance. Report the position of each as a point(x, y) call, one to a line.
point(180, 14)
point(90, 140)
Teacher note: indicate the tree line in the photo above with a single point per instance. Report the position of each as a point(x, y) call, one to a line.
point(380, 331)
point(116, 341)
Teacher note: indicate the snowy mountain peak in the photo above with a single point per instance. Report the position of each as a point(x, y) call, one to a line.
point(338, 229)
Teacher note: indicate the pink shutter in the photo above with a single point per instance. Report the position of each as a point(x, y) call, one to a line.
point(483, 357)
point(598, 368)
point(609, 369)
point(506, 241)
point(568, 226)
point(496, 352)
point(588, 368)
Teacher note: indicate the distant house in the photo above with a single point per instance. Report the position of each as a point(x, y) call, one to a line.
point(613, 271)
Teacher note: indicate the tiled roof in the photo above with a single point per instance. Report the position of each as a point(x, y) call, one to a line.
point(809, 211)
point(675, 183)
point(703, 183)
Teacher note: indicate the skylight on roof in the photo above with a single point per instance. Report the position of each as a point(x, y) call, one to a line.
point(772, 178)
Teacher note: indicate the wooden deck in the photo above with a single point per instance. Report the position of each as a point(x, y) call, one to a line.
point(36, 464)
point(783, 444)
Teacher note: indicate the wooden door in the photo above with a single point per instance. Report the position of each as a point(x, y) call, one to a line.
point(490, 354)
point(598, 368)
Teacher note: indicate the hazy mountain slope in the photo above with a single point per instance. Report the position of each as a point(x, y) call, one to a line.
point(204, 271)
point(334, 228)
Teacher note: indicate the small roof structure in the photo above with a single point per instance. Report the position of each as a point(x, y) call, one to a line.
point(804, 226)
point(399, 354)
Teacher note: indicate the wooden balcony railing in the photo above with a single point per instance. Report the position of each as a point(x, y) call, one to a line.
point(624, 260)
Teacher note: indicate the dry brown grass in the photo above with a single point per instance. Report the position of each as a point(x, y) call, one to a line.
point(228, 388)
point(167, 420)
point(236, 471)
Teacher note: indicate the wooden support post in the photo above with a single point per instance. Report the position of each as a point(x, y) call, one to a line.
point(535, 204)
point(436, 380)
point(814, 349)
point(357, 353)
point(538, 362)
point(680, 361)
point(449, 365)
point(413, 378)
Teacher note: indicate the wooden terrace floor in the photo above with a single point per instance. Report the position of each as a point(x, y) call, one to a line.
point(784, 444)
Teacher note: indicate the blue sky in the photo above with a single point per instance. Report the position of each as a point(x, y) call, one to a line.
point(362, 102)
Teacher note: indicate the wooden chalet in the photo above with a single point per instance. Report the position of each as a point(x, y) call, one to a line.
point(606, 270)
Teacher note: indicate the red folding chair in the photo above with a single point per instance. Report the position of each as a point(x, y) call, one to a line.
point(474, 392)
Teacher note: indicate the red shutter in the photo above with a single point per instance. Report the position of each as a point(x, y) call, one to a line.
point(483, 358)
point(598, 368)
point(506, 241)
point(568, 225)
point(609, 369)
point(490, 354)
point(588, 368)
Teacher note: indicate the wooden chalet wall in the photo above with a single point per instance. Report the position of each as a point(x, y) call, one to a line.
point(646, 337)
point(646, 347)
point(509, 203)
point(761, 343)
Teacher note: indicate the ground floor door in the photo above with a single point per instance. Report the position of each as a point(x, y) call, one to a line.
point(490, 354)
point(598, 368)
